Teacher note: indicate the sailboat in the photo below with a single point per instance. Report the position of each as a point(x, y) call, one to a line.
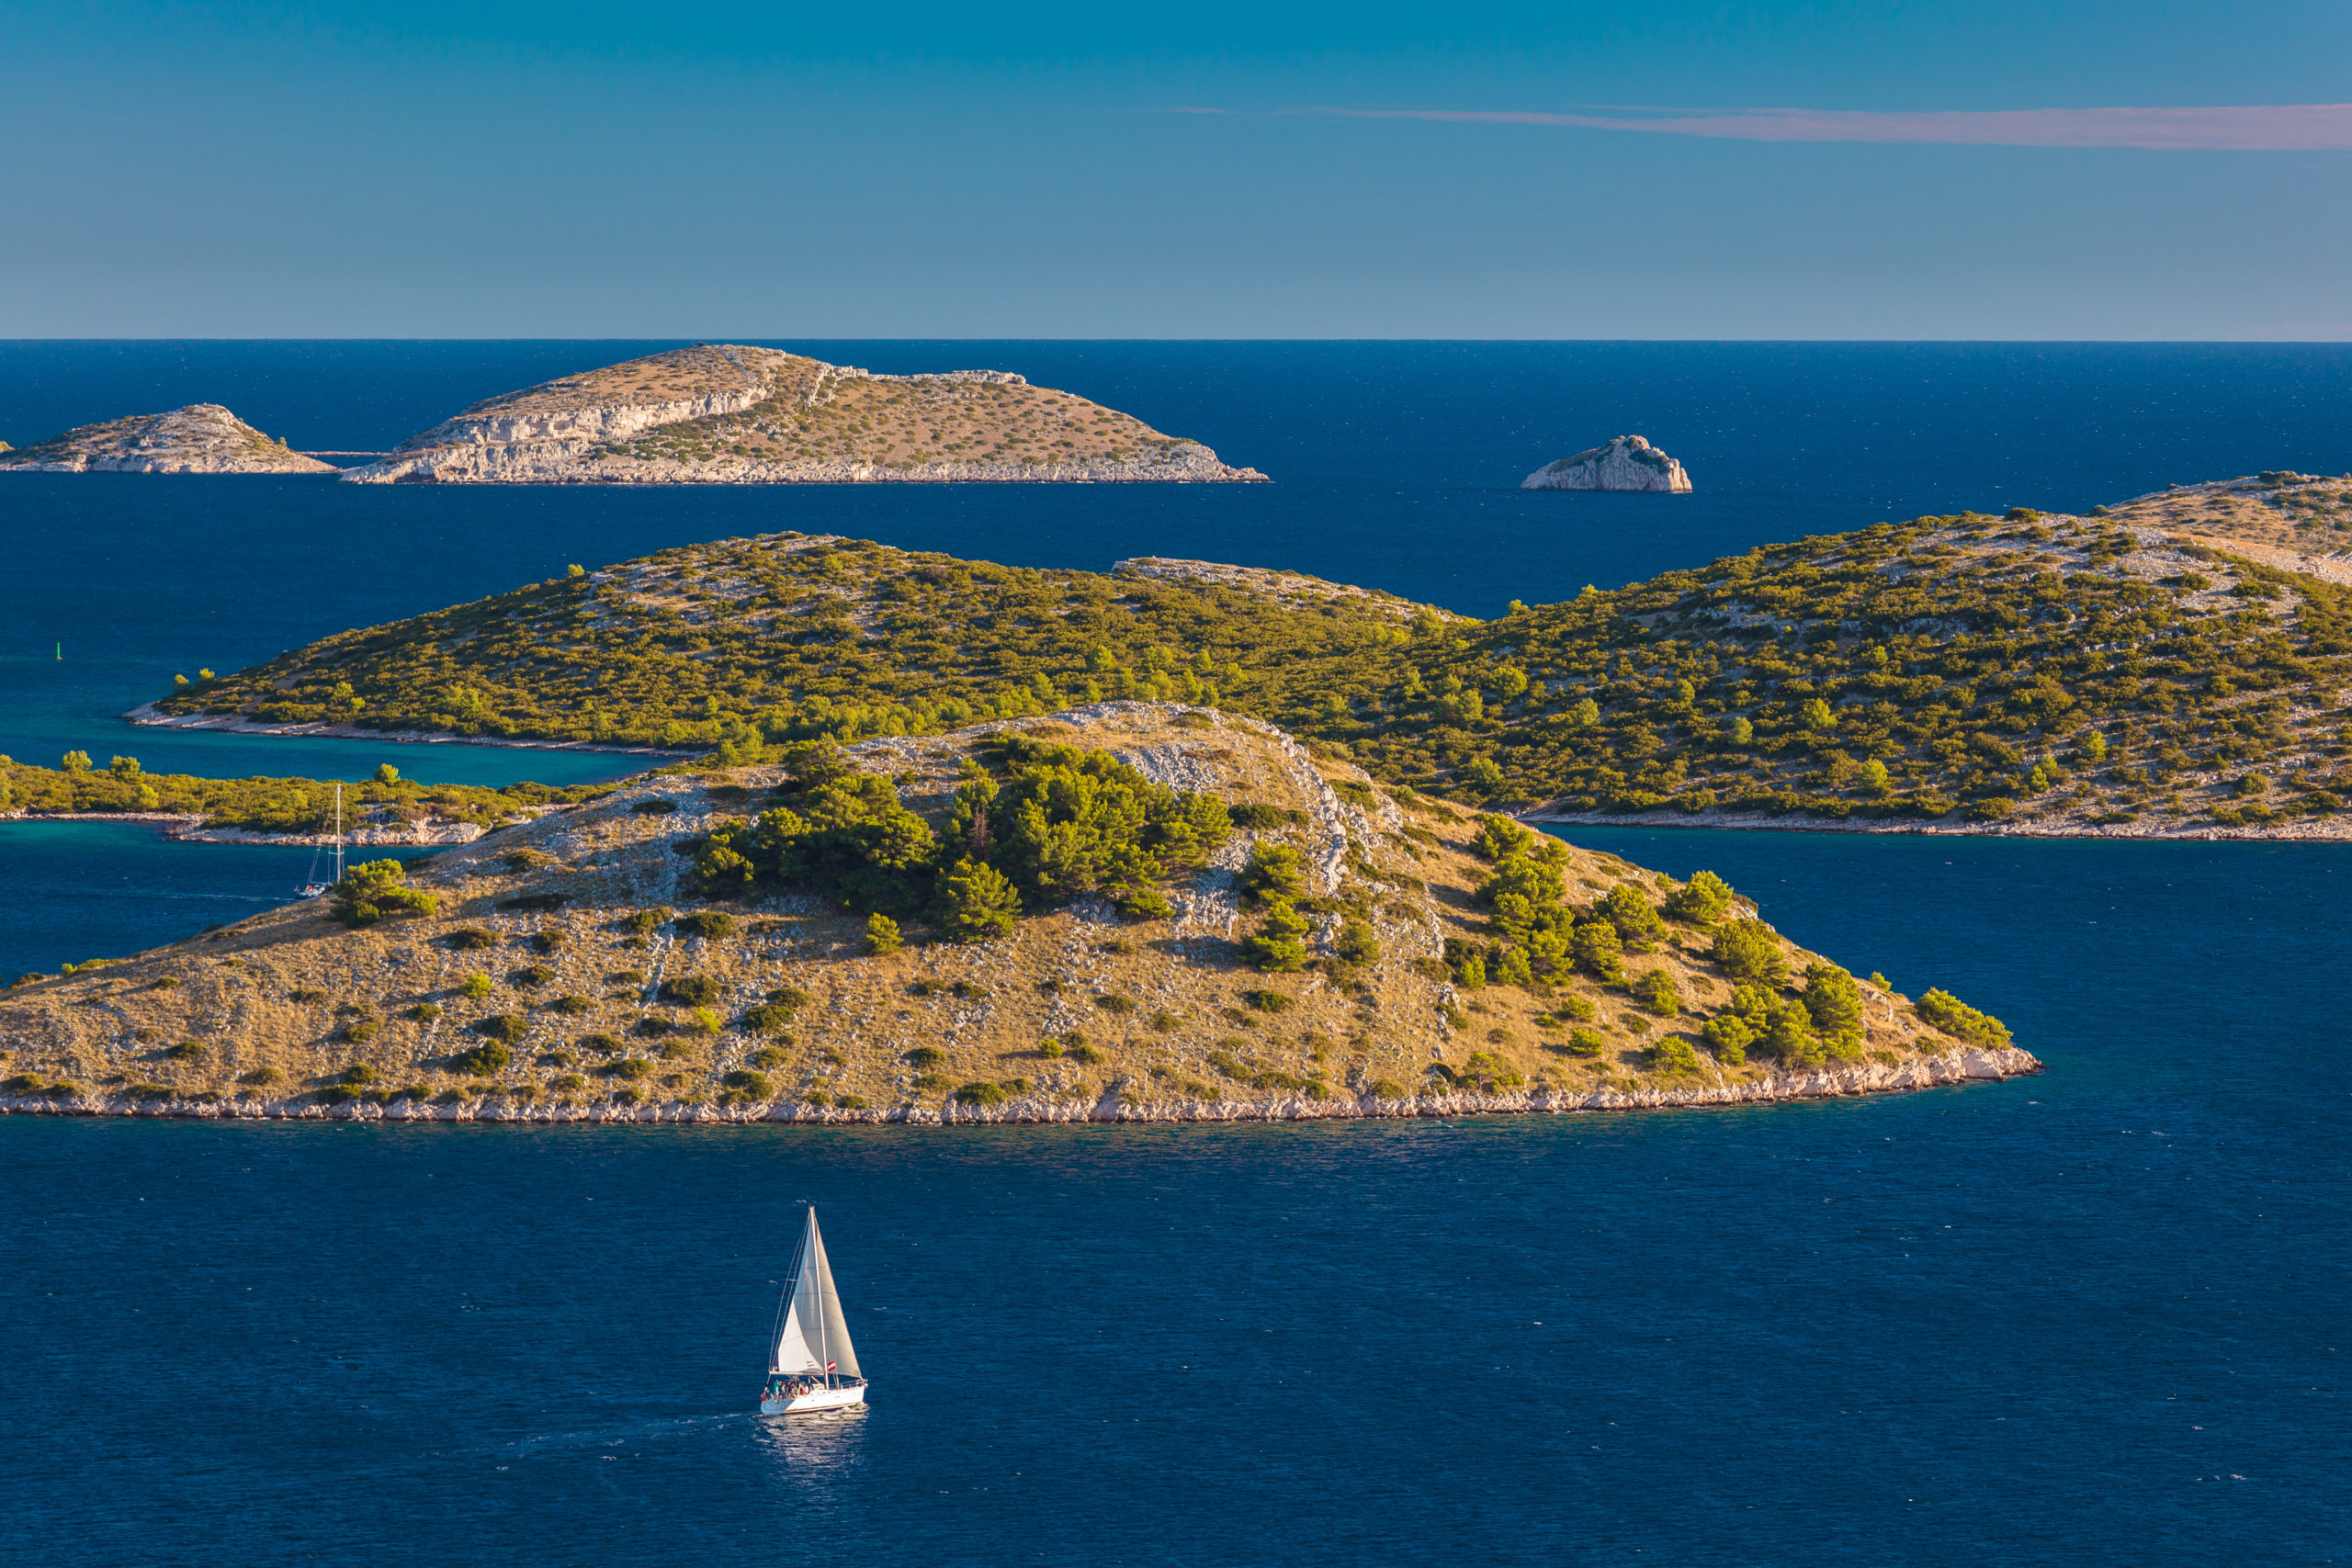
point(812, 1365)
point(314, 888)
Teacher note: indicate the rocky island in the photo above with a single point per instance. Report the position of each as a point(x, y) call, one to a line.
point(2028, 673)
point(727, 413)
point(202, 438)
point(1126, 911)
point(1628, 462)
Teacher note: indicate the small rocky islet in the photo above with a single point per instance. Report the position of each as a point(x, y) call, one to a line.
point(1625, 463)
point(202, 438)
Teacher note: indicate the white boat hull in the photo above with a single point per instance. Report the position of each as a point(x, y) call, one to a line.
point(815, 1399)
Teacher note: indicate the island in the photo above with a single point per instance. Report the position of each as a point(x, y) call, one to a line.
point(202, 438)
point(1126, 911)
point(1627, 462)
point(2022, 674)
point(728, 413)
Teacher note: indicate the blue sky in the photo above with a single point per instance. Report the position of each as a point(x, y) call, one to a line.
point(959, 171)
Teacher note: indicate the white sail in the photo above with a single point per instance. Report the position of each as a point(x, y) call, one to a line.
point(812, 1336)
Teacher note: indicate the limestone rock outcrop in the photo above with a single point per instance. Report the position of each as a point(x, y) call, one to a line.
point(1628, 462)
point(730, 414)
point(202, 438)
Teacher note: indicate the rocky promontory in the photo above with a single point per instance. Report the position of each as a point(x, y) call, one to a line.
point(1627, 462)
point(202, 438)
point(729, 413)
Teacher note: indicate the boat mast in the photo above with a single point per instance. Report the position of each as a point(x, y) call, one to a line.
point(338, 832)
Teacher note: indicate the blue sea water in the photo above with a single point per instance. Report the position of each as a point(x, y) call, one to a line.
point(2092, 1316)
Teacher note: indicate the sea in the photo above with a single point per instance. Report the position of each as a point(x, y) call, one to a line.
point(2093, 1316)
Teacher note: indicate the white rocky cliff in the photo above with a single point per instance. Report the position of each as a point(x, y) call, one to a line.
point(1629, 462)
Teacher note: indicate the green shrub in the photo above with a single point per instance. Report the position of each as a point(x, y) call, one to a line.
point(816, 1096)
point(1115, 1005)
point(654, 806)
point(357, 1074)
point(531, 975)
point(604, 1045)
point(306, 995)
point(475, 986)
point(567, 1083)
point(1264, 1000)
point(644, 922)
point(882, 936)
point(422, 1012)
point(709, 924)
point(1701, 901)
point(262, 1077)
point(1728, 1035)
point(1957, 1018)
point(980, 1094)
point(1655, 992)
point(652, 1026)
point(630, 1068)
point(702, 1021)
point(1090, 1056)
point(1638, 927)
point(1597, 950)
point(470, 938)
point(1672, 1054)
point(1584, 1042)
point(751, 1084)
point(1274, 872)
point(506, 1026)
point(521, 861)
point(1748, 950)
point(376, 890)
point(922, 1058)
point(482, 1060)
point(551, 939)
point(766, 1018)
point(1574, 1010)
point(22, 1084)
point(1277, 947)
point(1358, 943)
point(1384, 1088)
point(1257, 817)
point(573, 1005)
point(766, 1056)
point(185, 1051)
point(361, 1031)
point(850, 1102)
point(691, 990)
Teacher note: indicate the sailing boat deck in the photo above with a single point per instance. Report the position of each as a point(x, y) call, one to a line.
point(812, 1366)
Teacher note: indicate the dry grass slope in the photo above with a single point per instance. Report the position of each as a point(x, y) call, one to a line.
point(618, 1012)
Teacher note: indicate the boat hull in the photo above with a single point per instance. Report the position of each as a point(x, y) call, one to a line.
point(814, 1400)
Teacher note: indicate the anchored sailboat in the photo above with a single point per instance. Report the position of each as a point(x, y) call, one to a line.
point(812, 1365)
point(314, 888)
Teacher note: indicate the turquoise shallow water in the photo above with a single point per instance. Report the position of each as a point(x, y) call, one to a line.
point(2092, 1316)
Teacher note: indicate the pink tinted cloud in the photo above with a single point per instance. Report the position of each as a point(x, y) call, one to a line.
point(2258, 127)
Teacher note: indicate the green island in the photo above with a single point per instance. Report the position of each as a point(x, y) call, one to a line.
point(1126, 911)
point(1970, 673)
point(382, 809)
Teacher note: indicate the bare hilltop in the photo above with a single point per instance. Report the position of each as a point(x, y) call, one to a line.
point(1128, 911)
point(202, 438)
point(728, 413)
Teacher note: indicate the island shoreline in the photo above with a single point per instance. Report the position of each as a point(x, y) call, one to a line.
point(1951, 1069)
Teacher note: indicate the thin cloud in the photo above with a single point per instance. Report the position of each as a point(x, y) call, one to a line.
point(2256, 128)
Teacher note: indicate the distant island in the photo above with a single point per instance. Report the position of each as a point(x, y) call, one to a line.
point(2102, 675)
point(1122, 912)
point(727, 413)
point(1627, 462)
point(202, 438)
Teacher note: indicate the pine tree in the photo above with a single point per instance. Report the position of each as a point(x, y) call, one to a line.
point(977, 901)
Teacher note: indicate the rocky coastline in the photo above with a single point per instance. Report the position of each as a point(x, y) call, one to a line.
point(583, 463)
point(1119, 1105)
point(1625, 463)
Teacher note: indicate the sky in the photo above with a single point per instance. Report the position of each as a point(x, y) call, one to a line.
point(2064, 169)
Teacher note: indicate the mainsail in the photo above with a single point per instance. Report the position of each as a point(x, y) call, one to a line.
point(812, 1336)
